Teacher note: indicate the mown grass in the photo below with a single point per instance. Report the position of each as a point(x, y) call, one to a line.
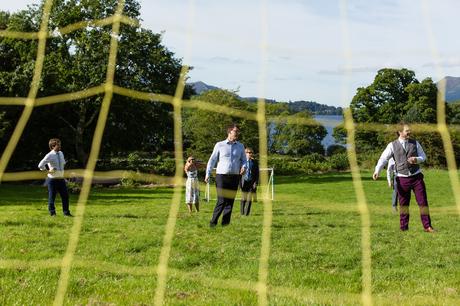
point(315, 251)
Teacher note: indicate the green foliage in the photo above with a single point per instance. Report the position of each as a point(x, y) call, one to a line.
point(202, 128)
point(314, 108)
point(339, 161)
point(453, 110)
point(335, 149)
point(396, 95)
point(298, 139)
point(140, 162)
point(311, 163)
point(421, 103)
point(3, 124)
point(78, 61)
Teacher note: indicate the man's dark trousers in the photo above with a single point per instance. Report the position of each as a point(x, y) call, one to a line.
point(227, 186)
point(405, 186)
point(55, 186)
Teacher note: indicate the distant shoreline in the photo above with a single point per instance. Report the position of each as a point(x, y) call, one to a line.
point(329, 122)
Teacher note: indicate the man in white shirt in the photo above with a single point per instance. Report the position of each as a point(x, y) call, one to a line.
point(230, 158)
point(55, 162)
point(408, 155)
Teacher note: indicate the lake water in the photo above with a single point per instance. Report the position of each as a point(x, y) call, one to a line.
point(329, 122)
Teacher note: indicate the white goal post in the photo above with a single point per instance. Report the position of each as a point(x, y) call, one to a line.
point(269, 192)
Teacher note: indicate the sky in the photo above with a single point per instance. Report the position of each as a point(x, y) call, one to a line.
point(312, 50)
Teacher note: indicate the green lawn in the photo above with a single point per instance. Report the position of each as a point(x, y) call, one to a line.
point(315, 250)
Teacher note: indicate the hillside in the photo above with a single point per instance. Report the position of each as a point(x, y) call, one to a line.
point(296, 106)
point(452, 88)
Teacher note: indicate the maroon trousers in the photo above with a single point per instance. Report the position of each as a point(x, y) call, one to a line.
point(405, 186)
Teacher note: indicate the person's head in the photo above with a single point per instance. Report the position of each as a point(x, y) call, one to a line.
point(233, 131)
point(249, 153)
point(55, 144)
point(404, 130)
point(191, 160)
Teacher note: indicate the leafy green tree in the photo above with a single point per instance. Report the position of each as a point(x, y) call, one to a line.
point(202, 128)
point(274, 130)
point(395, 95)
point(454, 112)
point(385, 99)
point(299, 139)
point(78, 61)
point(421, 104)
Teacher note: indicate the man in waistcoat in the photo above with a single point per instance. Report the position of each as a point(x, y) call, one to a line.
point(408, 155)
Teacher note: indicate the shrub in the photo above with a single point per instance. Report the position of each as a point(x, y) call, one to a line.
point(339, 161)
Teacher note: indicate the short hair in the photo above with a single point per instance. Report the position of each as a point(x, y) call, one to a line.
point(249, 149)
point(231, 127)
point(400, 126)
point(53, 142)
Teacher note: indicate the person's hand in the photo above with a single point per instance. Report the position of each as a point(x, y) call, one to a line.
point(242, 170)
point(375, 176)
point(206, 179)
point(52, 170)
point(254, 186)
point(412, 160)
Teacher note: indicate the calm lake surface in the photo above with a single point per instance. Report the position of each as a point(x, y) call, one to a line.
point(329, 122)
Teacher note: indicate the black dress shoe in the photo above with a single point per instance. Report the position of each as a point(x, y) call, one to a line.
point(68, 215)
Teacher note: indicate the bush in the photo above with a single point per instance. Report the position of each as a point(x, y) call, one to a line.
point(339, 161)
point(139, 162)
point(335, 149)
point(287, 165)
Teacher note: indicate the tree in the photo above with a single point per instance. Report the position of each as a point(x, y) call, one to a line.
point(395, 95)
point(78, 61)
point(421, 104)
point(383, 101)
point(299, 139)
point(202, 128)
point(454, 112)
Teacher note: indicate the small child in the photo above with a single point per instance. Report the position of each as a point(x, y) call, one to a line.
point(192, 186)
point(55, 162)
point(249, 182)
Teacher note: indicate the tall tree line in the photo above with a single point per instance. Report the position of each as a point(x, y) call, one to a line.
point(78, 61)
point(396, 95)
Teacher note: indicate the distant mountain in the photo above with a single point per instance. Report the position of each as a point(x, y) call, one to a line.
point(296, 106)
point(254, 99)
point(201, 87)
point(314, 108)
point(452, 88)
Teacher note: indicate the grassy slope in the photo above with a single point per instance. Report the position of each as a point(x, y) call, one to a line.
point(315, 254)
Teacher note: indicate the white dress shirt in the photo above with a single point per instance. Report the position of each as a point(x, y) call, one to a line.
point(55, 161)
point(388, 153)
point(229, 157)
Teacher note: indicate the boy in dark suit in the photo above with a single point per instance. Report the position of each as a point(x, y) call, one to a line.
point(249, 182)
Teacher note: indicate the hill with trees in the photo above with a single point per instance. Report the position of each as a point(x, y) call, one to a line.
point(452, 88)
point(312, 107)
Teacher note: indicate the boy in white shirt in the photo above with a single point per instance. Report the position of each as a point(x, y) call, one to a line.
point(55, 162)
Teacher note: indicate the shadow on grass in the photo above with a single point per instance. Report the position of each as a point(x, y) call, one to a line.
point(318, 178)
point(103, 199)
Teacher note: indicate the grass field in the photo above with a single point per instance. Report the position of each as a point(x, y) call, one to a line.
point(315, 251)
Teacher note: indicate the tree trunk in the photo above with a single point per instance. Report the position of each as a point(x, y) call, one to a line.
point(82, 155)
